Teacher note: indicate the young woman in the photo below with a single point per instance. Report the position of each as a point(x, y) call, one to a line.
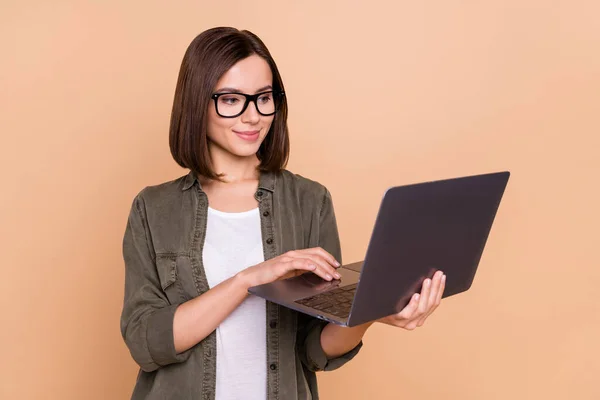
point(193, 246)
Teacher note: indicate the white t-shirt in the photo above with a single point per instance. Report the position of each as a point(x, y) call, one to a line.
point(233, 243)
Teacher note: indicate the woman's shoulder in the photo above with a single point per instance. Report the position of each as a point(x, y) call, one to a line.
point(162, 192)
point(301, 186)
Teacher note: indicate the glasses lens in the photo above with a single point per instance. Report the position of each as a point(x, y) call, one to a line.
point(230, 104)
point(266, 103)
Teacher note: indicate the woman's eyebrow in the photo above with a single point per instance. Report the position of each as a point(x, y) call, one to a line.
point(264, 88)
point(234, 90)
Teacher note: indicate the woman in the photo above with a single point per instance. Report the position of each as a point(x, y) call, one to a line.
point(193, 246)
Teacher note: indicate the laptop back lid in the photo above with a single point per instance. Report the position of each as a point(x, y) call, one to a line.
point(419, 229)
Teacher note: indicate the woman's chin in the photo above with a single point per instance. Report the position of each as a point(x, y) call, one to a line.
point(245, 151)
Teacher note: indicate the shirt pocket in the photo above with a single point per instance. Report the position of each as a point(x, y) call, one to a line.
point(170, 282)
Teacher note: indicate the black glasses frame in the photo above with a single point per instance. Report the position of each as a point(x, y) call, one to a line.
point(277, 96)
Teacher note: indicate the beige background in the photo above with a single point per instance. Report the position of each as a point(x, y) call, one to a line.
point(380, 93)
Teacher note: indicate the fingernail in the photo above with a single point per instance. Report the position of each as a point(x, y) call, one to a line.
point(427, 282)
point(328, 277)
point(417, 296)
point(444, 278)
point(337, 276)
point(313, 266)
point(337, 264)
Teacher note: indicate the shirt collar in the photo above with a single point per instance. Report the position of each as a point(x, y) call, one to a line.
point(266, 181)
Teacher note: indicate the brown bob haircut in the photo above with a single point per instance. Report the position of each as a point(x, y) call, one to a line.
point(208, 57)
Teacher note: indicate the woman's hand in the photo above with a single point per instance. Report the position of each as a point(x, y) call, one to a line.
point(290, 264)
point(420, 306)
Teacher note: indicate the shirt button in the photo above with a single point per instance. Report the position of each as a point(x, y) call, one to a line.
point(273, 324)
point(266, 213)
point(259, 193)
point(269, 240)
point(273, 367)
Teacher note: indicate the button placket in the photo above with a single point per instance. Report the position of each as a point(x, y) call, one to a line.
point(265, 200)
point(209, 344)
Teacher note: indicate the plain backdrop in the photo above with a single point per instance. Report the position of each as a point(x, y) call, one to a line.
point(380, 93)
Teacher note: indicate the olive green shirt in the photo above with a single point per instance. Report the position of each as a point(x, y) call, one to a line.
point(162, 250)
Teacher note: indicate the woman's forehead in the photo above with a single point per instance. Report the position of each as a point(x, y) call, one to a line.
point(248, 75)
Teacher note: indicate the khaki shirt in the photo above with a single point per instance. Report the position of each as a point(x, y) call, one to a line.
point(162, 250)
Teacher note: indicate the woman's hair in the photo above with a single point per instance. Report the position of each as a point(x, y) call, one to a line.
point(208, 57)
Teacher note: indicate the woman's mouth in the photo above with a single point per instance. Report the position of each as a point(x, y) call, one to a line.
point(250, 136)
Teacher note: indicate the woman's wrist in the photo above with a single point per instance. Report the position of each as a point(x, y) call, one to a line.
point(243, 280)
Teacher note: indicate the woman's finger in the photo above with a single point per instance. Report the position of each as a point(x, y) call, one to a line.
point(437, 290)
point(324, 254)
point(438, 300)
point(409, 310)
point(310, 265)
point(298, 264)
point(320, 262)
point(324, 265)
point(424, 301)
point(298, 261)
point(434, 284)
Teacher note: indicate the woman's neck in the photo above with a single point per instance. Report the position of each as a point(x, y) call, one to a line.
point(234, 168)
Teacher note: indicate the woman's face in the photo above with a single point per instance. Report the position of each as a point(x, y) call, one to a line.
point(242, 135)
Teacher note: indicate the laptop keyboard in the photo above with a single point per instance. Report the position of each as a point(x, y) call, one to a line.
point(336, 302)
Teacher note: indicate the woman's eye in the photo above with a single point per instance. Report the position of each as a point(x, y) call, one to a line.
point(265, 99)
point(229, 100)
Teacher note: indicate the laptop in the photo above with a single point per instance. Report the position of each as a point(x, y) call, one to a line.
point(419, 229)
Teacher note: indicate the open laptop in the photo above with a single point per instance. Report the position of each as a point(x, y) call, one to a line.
point(420, 228)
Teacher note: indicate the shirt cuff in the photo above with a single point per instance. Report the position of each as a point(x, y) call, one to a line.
point(159, 336)
point(316, 355)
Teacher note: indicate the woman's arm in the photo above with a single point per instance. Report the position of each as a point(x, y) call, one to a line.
point(337, 340)
point(195, 319)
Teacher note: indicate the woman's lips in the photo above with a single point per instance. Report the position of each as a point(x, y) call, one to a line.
point(248, 135)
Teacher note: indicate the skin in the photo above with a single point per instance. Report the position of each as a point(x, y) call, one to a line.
point(236, 159)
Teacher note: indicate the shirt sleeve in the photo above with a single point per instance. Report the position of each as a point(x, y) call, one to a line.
point(309, 328)
point(147, 315)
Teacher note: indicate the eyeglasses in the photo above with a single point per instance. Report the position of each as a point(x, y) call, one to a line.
point(231, 105)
